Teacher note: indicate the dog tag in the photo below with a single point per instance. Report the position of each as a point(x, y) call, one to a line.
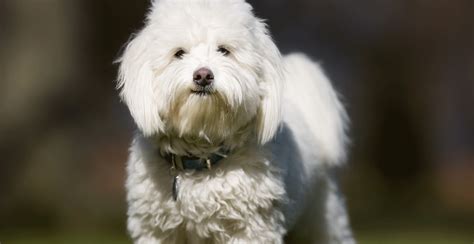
point(175, 187)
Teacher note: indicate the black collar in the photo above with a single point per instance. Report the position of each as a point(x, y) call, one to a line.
point(183, 163)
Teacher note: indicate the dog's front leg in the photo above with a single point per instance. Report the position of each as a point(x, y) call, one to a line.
point(143, 233)
point(240, 240)
point(262, 227)
point(153, 240)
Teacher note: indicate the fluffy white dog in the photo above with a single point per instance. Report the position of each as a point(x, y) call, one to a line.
point(236, 144)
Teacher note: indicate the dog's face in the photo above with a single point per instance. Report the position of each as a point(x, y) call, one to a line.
point(202, 68)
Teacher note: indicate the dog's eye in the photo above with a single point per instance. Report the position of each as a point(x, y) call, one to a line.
point(223, 50)
point(179, 53)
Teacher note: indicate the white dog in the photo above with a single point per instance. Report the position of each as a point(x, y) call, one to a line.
point(236, 144)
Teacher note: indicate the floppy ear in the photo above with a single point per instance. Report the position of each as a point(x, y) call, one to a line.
point(269, 114)
point(136, 81)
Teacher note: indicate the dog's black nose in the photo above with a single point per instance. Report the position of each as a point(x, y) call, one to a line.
point(203, 77)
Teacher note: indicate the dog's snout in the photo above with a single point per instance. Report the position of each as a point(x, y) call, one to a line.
point(203, 77)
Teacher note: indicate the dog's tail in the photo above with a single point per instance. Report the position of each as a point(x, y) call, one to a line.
point(309, 90)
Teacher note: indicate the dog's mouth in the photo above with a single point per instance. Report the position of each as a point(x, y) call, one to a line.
point(202, 92)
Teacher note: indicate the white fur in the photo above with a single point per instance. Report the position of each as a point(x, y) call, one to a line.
point(266, 188)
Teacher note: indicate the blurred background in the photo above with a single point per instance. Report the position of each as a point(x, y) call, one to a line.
point(404, 67)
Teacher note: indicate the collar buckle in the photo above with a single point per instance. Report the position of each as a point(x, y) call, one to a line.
point(208, 163)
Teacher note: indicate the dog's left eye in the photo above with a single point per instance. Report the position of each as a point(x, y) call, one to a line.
point(179, 53)
point(223, 50)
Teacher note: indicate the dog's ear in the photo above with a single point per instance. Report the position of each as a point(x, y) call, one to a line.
point(271, 68)
point(136, 81)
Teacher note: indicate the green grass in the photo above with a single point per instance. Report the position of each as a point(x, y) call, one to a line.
point(430, 237)
point(45, 238)
point(363, 237)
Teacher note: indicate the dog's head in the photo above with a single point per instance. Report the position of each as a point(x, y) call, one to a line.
point(202, 68)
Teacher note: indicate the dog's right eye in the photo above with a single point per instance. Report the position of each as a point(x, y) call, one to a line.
point(179, 53)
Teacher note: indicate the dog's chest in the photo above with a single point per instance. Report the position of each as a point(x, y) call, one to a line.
point(225, 198)
point(242, 193)
point(226, 203)
point(228, 194)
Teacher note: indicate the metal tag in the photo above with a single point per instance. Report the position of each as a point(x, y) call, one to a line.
point(175, 187)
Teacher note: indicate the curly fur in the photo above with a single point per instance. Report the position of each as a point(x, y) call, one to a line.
point(279, 117)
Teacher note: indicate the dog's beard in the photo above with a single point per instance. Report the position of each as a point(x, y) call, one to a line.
point(214, 113)
point(207, 115)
